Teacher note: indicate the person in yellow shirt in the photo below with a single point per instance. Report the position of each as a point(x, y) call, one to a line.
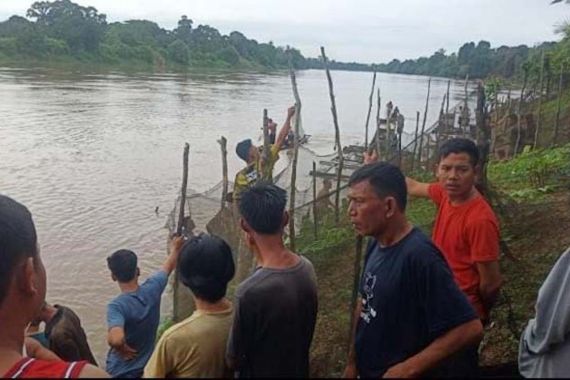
point(196, 346)
point(256, 167)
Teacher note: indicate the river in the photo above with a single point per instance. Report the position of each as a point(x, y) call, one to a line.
point(93, 154)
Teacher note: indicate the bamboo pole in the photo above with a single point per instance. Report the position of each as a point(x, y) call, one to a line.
point(483, 141)
point(315, 219)
point(519, 113)
point(536, 131)
point(223, 145)
point(558, 106)
point(295, 156)
point(442, 125)
point(264, 173)
point(447, 104)
point(369, 110)
point(355, 284)
point(424, 123)
point(388, 130)
point(465, 127)
point(415, 140)
point(337, 136)
point(379, 106)
point(179, 227)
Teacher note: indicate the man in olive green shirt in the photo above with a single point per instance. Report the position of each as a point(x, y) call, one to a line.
point(256, 167)
point(196, 346)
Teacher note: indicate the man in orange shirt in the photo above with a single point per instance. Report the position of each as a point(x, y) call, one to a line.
point(466, 230)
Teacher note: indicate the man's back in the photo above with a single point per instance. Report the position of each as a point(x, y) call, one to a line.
point(138, 313)
point(274, 322)
point(66, 337)
point(194, 347)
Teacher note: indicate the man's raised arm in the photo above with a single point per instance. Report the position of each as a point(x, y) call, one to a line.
point(174, 251)
point(285, 128)
point(415, 188)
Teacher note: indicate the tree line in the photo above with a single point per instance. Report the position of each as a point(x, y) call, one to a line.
point(62, 29)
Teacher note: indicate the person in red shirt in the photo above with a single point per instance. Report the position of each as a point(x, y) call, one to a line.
point(466, 229)
point(22, 293)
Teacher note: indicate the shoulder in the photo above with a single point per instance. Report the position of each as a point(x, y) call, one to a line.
point(419, 250)
point(250, 284)
point(180, 332)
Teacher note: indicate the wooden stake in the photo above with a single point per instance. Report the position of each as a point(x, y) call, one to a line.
point(379, 105)
point(447, 104)
point(264, 173)
point(557, 123)
point(484, 134)
point(369, 110)
point(179, 227)
point(465, 127)
point(536, 132)
point(295, 156)
point(424, 123)
point(315, 216)
point(519, 113)
point(388, 130)
point(337, 136)
point(223, 145)
point(415, 140)
point(355, 284)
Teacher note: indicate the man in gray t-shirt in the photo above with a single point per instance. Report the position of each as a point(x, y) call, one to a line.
point(276, 307)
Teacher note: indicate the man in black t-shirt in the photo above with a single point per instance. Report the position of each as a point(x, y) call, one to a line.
point(412, 319)
point(275, 309)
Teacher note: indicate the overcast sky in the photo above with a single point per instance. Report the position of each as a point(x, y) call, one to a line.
point(351, 30)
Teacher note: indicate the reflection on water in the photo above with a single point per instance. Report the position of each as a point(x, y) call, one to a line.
point(93, 155)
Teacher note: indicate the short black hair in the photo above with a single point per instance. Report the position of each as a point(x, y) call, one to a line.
point(385, 178)
point(262, 207)
point(123, 265)
point(460, 145)
point(18, 240)
point(206, 265)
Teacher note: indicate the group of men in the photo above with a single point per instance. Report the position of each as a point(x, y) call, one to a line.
point(422, 303)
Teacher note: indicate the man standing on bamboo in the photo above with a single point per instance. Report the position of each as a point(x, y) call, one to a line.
point(257, 168)
point(466, 228)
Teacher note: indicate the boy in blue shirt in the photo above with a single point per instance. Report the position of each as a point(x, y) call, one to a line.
point(134, 315)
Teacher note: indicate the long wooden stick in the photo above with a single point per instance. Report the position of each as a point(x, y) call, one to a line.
point(415, 140)
point(355, 284)
point(536, 131)
point(315, 216)
point(180, 225)
point(379, 105)
point(337, 136)
point(559, 103)
point(223, 145)
point(447, 104)
point(265, 173)
point(295, 155)
point(424, 123)
point(388, 131)
point(369, 110)
point(465, 127)
point(519, 113)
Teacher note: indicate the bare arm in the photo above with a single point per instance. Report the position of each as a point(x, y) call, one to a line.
point(116, 339)
point(285, 128)
point(350, 372)
point(467, 334)
point(173, 252)
point(415, 188)
point(490, 282)
point(35, 350)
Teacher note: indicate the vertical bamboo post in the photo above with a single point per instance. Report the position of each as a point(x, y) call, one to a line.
point(379, 106)
point(481, 120)
point(295, 155)
point(447, 104)
point(399, 143)
point(559, 103)
point(315, 216)
point(415, 140)
point(465, 127)
point(223, 145)
point(388, 153)
point(337, 136)
point(519, 113)
point(424, 123)
point(369, 110)
point(536, 131)
point(264, 173)
point(355, 284)
point(179, 226)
